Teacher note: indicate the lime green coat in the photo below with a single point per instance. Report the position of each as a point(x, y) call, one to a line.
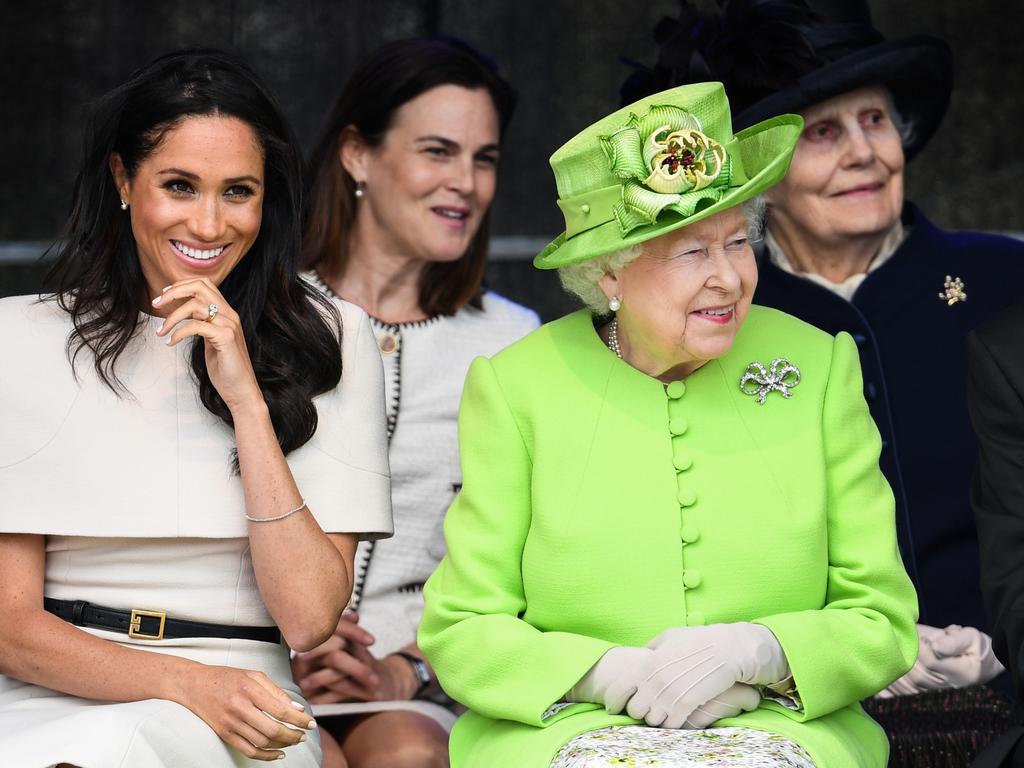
point(597, 510)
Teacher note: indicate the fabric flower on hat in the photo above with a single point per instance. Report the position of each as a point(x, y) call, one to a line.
point(666, 161)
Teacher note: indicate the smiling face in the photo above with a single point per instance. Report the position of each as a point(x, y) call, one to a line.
point(196, 201)
point(846, 178)
point(686, 295)
point(431, 180)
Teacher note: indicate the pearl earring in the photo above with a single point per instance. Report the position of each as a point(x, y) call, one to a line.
point(124, 204)
point(615, 304)
point(360, 188)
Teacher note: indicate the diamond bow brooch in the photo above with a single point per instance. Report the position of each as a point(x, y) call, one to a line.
point(782, 376)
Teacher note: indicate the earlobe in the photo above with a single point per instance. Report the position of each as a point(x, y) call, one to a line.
point(120, 176)
point(352, 152)
point(609, 284)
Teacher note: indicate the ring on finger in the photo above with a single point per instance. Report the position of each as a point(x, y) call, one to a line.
point(211, 312)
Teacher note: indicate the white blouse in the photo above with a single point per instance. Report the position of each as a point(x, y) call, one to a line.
point(78, 459)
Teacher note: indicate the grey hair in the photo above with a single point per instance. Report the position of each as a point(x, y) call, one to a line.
point(904, 127)
point(583, 279)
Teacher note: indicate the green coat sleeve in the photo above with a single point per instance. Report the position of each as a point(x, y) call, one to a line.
point(864, 636)
point(484, 655)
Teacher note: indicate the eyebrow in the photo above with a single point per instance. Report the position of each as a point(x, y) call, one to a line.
point(194, 177)
point(449, 144)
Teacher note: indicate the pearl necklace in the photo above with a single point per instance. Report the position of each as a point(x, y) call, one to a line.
point(613, 338)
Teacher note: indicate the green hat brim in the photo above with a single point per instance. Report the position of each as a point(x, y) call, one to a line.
point(768, 145)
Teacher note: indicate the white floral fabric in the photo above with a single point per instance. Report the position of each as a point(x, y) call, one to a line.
point(637, 746)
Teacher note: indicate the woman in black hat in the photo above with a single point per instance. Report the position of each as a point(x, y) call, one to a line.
point(844, 251)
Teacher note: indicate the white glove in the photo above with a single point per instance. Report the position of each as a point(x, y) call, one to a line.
point(613, 679)
point(954, 657)
point(729, 703)
point(692, 665)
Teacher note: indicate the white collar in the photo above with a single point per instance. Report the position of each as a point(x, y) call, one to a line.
point(849, 286)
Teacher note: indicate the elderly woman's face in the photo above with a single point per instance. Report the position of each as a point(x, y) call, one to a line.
point(846, 178)
point(686, 295)
point(196, 202)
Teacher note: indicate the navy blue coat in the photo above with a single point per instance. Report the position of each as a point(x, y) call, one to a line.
point(912, 350)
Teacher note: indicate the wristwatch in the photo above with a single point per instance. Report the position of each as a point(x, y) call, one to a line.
point(419, 666)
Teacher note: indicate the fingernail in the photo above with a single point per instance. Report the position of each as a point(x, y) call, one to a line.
point(374, 680)
point(169, 340)
point(298, 706)
point(158, 299)
point(280, 757)
point(312, 724)
point(166, 288)
point(302, 738)
point(161, 328)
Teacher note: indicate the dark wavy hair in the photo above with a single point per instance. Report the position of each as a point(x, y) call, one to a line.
point(292, 333)
point(393, 75)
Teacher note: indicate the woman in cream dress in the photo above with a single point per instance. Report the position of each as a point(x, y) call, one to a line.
point(148, 408)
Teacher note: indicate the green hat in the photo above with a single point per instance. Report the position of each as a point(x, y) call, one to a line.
point(662, 163)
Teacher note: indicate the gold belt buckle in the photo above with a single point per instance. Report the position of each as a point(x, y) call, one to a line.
point(135, 624)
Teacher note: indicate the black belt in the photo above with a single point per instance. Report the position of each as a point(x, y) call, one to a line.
point(150, 625)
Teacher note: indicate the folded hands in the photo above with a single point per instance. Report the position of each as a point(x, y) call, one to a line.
point(686, 677)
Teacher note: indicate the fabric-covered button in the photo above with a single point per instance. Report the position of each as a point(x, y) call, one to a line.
point(687, 497)
point(678, 425)
point(675, 389)
point(689, 533)
point(388, 343)
point(691, 579)
point(682, 460)
point(695, 618)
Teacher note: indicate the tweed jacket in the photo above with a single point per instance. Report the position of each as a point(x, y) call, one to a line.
point(600, 508)
point(912, 352)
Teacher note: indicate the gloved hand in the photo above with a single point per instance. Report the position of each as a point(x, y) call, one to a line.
point(740, 697)
point(954, 657)
point(613, 679)
point(692, 665)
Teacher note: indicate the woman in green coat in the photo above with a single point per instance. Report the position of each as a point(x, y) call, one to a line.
point(673, 545)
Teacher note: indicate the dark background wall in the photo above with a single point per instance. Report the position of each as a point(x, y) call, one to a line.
point(563, 55)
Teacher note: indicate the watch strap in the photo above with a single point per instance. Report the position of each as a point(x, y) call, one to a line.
point(420, 668)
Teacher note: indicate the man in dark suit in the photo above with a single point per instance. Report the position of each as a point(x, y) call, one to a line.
point(995, 389)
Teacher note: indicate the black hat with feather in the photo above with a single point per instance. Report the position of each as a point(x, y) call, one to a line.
point(778, 56)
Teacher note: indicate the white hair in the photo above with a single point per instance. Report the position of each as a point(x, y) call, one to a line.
point(903, 127)
point(583, 279)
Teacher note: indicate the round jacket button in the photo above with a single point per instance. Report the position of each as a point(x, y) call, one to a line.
point(682, 461)
point(388, 343)
point(678, 425)
point(695, 618)
point(675, 389)
point(689, 533)
point(691, 579)
point(687, 497)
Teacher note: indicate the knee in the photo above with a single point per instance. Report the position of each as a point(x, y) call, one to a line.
point(420, 751)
